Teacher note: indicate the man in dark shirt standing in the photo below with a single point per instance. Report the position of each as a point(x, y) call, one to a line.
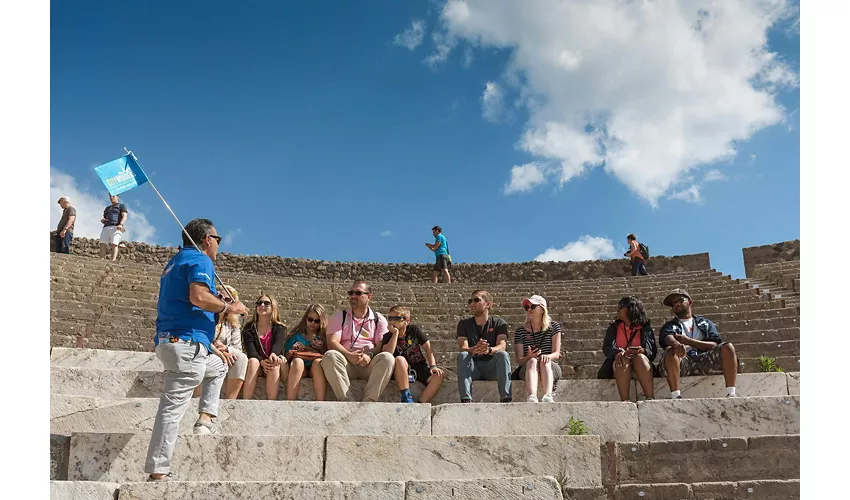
point(65, 229)
point(482, 341)
point(113, 220)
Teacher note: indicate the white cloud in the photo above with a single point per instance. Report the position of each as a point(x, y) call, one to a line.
point(492, 102)
point(650, 90)
point(443, 45)
point(386, 233)
point(90, 210)
point(524, 178)
point(411, 37)
point(752, 159)
point(227, 240)
point(586, 248)
point(468, 57)
point(714, 175)
point(690, 195)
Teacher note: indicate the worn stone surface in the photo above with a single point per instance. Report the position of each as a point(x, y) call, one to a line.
point(669, 491)
point(612, 421)
point(714, 386)
point(574, 460)
point(525, 488)
point(590, 390)
point(793, 383)
point(256, 490)
point(104, 358)
point(60, 446)
point(83, 490)
point(121, 458)
point(676, 419)
point(775, 252)
point(246, 418)
point(770, 490)
point(714, 491)
point(593, 493)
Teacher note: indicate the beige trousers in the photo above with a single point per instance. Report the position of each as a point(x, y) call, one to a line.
point(339, 372)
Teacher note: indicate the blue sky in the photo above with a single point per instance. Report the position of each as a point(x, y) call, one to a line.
point(314, 129)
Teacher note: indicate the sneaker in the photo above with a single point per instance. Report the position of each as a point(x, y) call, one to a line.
point(205, 428)
point(547, 398)
point(465, 400)
point(168, 477)
point(531, 399)
point(731, 395)
point(507, 400)
point(407, 397)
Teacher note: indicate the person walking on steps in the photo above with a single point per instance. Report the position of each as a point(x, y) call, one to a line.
point(441, 251)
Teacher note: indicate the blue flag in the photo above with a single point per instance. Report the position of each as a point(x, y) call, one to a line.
point(121, 175)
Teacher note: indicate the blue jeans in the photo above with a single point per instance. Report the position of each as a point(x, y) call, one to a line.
point(496, 368)
point(639, 267)
point(63, 245)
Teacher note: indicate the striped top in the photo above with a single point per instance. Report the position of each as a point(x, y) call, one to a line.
point(542, 340)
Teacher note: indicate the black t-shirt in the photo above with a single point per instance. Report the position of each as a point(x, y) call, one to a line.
point(112, 214)
point(490, 331)
point(409, 346)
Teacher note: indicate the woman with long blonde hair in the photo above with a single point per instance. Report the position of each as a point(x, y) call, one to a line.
point(304, 348)
point(537, 345)
point(264, 335)
point(227, 344)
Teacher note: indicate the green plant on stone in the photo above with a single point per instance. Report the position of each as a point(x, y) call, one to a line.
point(577, 427)
point(768, 364)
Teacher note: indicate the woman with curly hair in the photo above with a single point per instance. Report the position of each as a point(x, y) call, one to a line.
point(629, 349)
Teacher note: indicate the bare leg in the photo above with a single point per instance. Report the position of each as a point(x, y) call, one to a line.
point(320, 383)
point(447, 276)
point(435, 276)
point(251, 378)
point(729, 360)
point(114, 252)
point(232, 386)
point(547, 380)
point(102, 250)
point(431, 390)
point(401, 373)
point(197, 392)
point(296, 371)
point(273, 382)
point(643, 370)
point(531, 377)
point(623, 376)
point(672, 367)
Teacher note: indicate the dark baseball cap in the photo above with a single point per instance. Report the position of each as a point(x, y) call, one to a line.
point(668, 300)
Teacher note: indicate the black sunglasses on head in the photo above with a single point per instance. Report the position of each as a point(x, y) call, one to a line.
point(474, 299)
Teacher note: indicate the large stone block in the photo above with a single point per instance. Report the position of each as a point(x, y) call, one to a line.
point(520, 488)
point(770, 490)
point(678, 419)
point(793, 383)
point(104, 358)
point(121, 458)
point(663, 491)
point(573, 460)
point(83, 490)
point(105, 383)
point(245, 418)
point(591, 390)
point(612, 421)
point(714, 386)
point(254, 490)
point(60, 446)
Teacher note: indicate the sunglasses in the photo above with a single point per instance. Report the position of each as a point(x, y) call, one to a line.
point(352, 293)
point(474, 299)
point(680, 300)
point(216, 238)
point(530, 307)
point(395, 318)
point(264, 303)
point(311, 320)
point(225, 298)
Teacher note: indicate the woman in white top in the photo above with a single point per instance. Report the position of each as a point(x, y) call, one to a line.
point(227, 345)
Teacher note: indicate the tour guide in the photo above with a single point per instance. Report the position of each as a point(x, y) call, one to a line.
point(185, 327)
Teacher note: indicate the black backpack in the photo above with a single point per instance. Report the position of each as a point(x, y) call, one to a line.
point(644, 250)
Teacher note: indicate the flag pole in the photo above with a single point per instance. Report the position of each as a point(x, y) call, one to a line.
point(155, 190)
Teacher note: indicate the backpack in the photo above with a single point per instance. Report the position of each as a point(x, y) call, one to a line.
point(644, 250)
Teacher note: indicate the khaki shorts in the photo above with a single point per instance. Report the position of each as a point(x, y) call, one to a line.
point(110, 235)
point(704, 363)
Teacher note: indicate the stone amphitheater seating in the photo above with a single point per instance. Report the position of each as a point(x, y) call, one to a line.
point(779, 279)
point(105, 385)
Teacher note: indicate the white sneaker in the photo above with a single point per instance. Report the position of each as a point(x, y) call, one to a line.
point(547, 398)
point(531, 399)
point(205, 429)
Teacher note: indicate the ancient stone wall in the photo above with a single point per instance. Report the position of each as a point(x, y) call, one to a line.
point(461, 272)
point(775, 252)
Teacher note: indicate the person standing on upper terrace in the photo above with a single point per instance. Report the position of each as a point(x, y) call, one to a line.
point(353, 337)
point(185, 328)
point(114, 217)
point(65, 229)
point(441, 251)
point(483, 342)
point(693, 346)
point(637, 258)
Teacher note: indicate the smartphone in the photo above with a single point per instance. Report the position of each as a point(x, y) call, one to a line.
point(633, 348)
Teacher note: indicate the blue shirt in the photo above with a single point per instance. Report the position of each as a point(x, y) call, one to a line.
point(442, 249)
point(175, 314)
point(298, 337)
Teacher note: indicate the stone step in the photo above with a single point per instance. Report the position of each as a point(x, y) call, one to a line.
point(120, 458)
point(788, 489)
point(83, 490)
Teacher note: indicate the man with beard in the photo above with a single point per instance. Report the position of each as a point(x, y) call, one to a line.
point(692, 346)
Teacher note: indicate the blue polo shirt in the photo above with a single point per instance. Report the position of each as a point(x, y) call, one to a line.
point(175, 314)
point(441, 240)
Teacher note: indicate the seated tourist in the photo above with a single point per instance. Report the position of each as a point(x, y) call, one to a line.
point(414, 359)
point(537, 345)
point(227, 344)
point(692, 346)
point(629, 349)
point(483, 342)
point(264, 335)
point(304, 348)
point(353, 336)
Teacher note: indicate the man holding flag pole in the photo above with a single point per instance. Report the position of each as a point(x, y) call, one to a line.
point(185, 325)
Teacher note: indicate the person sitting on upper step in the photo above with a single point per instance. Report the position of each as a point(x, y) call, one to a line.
point(483, 342)
point(353, 336)
point(414, 359)
point(304, 348)
point(692, 346)
point(537, 345)
point(264, 335)
point(227, 344)
point(629, 349)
